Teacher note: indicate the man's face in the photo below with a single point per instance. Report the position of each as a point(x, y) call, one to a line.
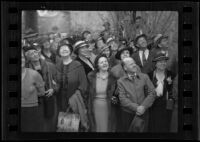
point(142, 43)
point(130, 66)
point(84, 51)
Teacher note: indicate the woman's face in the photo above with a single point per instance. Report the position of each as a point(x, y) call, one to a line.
point(33, 55)
point(64, 51)
point(46, 45)
point(103, 64)
point(107, 52)
point(124, 54)
point(23, 61)
point(84, 51)
point(161, 65)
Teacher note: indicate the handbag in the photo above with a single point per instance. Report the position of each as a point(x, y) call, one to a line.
point(115, 97)
point(68, 122)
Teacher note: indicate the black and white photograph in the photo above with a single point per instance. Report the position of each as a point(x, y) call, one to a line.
point(99, 71)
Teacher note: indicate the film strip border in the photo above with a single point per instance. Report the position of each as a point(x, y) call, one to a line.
point(189, 125)
point(12, 95)
point(12, 38)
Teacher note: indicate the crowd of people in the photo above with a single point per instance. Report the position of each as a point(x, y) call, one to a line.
point(114, 85)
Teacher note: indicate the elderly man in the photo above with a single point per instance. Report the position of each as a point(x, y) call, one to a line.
point(136, 95)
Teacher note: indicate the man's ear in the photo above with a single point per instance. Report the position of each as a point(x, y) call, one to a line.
point(125, 68)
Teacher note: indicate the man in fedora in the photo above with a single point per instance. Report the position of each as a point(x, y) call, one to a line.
point(143, 57)
point(84, 55)
point(133, 99)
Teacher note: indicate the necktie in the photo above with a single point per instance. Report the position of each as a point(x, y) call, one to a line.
point(144, 60)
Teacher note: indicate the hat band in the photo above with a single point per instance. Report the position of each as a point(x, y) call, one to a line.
point(161, 58)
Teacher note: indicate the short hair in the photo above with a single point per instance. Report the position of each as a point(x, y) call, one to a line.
point(96, 61)
point(64, 44)
point(125, 60)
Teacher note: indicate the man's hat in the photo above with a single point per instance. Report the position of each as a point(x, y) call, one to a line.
point(121, 49)
point(138, 37)
point(161, 55)
point(29, 33)
point(79, 44)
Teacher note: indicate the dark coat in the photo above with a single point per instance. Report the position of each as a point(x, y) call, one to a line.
point(70, 78)
point(148, 67)
point(85, 66)
point(160, 117)
point(92, 92)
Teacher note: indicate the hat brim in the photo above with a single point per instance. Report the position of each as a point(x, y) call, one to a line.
point(117, 56)
point(79, 47)
point(161, 58)
point(30, 35)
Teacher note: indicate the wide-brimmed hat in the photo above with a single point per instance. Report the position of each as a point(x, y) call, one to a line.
point(29, 33)
point(161, 55)
point(121, 49)
point(138, 37)
point(78, 45)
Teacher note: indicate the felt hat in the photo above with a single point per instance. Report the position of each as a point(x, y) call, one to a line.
point(138, 37)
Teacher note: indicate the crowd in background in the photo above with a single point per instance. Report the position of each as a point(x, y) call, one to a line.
point(114, 85)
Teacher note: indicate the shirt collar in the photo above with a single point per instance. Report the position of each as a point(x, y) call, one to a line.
point(132, 77)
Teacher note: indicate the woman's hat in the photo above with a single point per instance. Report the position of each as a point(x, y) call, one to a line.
point(79, 44)
point(121, 49)
point(161, 55)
